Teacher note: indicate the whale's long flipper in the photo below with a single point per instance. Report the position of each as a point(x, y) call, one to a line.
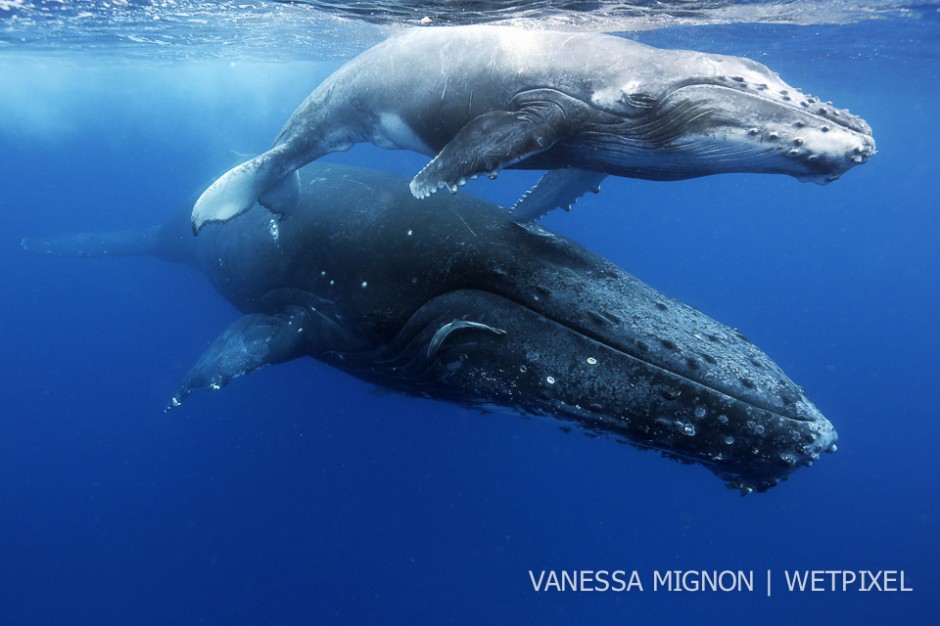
point(253, 341)
point(260, 339)
point(558, 189)
point(238, 189)
point(489, 143)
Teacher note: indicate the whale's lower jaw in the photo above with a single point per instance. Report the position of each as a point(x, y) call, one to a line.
point(514, 357)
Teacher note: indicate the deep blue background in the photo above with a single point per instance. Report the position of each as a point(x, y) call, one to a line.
point(298, 495)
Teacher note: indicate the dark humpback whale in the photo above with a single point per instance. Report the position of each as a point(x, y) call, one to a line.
point(450, 299)
point(483, 98)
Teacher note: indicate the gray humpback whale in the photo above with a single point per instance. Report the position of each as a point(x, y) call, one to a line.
point(448, 298)
point(482, 98)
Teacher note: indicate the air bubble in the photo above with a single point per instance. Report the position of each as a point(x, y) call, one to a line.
point(591, 360)
point(550, 380)
point(729, 440)
point(723, 419)
point(688, 429)
point(700, 412)
point(364, 284)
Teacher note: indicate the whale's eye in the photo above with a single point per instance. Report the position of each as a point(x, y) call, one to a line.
point(640, 100)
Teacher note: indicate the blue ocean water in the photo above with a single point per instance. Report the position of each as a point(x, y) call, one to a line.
point(299, 495)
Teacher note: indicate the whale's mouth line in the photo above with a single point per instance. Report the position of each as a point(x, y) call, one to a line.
point(666, 125)
point(597, 338)
point(622, 351)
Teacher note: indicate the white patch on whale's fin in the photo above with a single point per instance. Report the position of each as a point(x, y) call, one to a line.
point(250, 343)
point(558, 189)
point(282, 198)
point(489, 143)
point(449, 328)
point(234, 192)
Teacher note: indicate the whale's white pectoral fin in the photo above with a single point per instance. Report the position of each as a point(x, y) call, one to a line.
point(558, 189)
point(252, 342)
point(489, 143)
point(234, 192)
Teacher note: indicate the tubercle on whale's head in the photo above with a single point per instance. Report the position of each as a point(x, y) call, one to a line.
point(696, 114)
point(775, 447)
point(751, 435)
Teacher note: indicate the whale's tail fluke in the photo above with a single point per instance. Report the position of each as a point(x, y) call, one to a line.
point(169, 243)
point(146, 242)
point(259, 179)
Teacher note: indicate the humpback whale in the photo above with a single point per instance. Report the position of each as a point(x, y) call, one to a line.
point(479, 99)
point(448, 298)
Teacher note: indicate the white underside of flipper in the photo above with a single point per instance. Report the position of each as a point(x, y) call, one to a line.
point(234, 192)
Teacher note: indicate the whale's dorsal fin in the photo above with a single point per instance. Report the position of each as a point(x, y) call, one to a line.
point(250, 343)
point(558, 189)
